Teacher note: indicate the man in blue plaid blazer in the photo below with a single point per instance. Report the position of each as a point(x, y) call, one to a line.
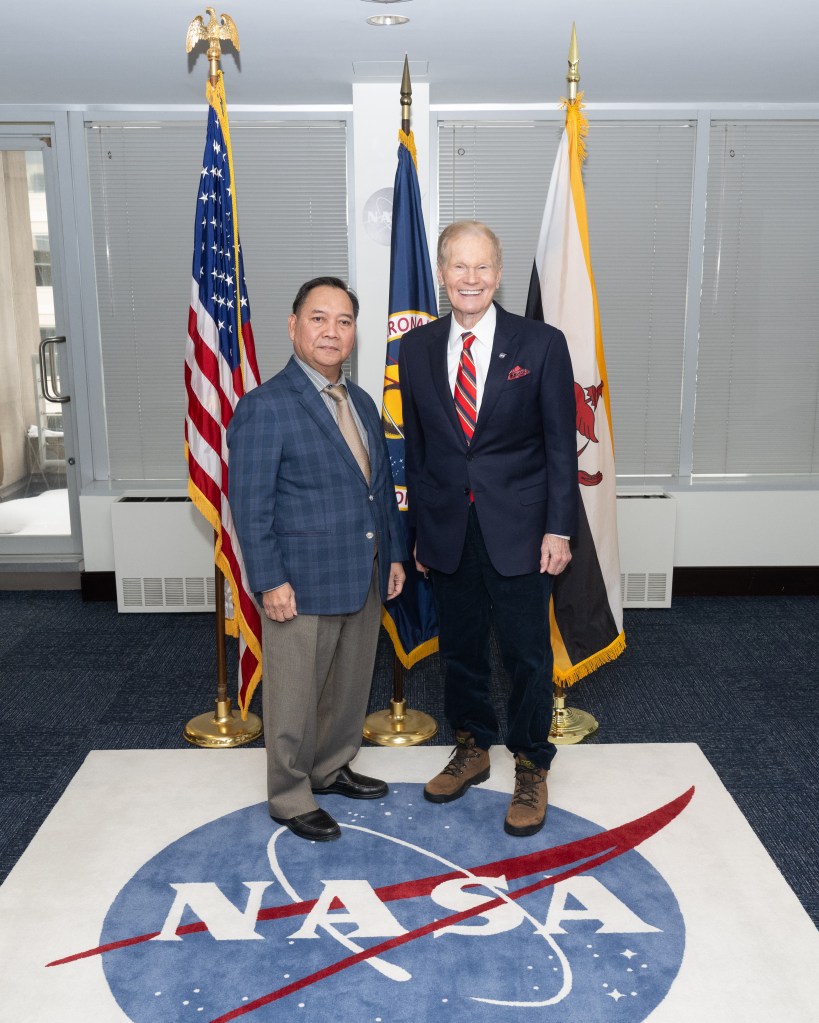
point(312, 496)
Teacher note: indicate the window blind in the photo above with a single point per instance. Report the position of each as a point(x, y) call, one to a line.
point(291, 186)
point(638, 179)
point(758, 368)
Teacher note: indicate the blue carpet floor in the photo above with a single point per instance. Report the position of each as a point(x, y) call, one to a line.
point(736, 675)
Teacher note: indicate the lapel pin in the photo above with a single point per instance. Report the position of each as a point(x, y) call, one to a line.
point(501, 355)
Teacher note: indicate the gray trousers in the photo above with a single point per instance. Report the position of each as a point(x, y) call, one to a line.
point(317, 672)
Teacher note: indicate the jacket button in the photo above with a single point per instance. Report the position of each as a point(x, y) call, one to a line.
point(370, 536)
point(466, 491)
point(371, 497)
point(469, 457)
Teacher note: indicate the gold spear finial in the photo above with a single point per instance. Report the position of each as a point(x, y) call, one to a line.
point(573, 76)
point(216, 29)
point(406, 98)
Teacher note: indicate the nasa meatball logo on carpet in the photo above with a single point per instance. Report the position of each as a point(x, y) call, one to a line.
point(329, 928)
point(160, 891)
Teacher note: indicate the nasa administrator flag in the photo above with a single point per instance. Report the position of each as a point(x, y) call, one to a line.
point(220, 366)
point(587, 606)
point(410, 618)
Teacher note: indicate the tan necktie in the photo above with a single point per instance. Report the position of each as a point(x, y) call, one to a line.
point(349, 431)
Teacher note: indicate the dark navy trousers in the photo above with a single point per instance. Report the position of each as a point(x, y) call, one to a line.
point(466, 600)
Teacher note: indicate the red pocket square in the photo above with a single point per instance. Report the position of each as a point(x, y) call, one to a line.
point(517, 373)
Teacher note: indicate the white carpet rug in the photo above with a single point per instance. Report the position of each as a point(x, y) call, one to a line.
point(679, 917)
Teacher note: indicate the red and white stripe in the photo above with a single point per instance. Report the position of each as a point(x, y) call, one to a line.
point(213, 390)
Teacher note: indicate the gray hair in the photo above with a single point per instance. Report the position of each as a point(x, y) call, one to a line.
point(462, 227)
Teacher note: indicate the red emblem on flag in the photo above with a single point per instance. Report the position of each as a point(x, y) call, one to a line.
point(586, 399)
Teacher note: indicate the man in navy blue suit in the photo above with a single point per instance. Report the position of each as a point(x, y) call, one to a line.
point(491, 469)
point(312, 496)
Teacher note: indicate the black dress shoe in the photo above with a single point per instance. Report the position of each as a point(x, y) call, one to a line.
point(354, 786)
point(316, 825)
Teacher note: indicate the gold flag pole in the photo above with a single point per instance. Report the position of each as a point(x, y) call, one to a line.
point(222, 728)
point(400, 726)
point(569, 725)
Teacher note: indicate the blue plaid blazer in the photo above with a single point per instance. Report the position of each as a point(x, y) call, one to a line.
point(302, 508)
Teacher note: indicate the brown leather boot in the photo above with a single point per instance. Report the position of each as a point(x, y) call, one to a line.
point(527, 811)
point(469, 766)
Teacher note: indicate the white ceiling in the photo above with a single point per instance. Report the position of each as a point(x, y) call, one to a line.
point(473, 51)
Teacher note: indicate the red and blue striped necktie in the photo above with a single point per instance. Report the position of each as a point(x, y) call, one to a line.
point(466, 390)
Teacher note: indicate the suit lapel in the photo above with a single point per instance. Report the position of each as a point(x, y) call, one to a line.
point(313, 403)
point(439, 371)
point(504, 349)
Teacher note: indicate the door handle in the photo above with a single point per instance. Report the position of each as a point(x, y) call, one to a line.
point(48, 372)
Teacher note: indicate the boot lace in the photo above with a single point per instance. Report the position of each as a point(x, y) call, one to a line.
point(460, 758)
point(526, 787)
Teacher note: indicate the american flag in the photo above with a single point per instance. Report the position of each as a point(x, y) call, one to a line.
point(220, 365)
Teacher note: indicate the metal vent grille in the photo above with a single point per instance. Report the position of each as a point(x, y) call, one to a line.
point(635, 587)
point(132, 592)
point(195, 592)
point(172, 593)
point(657, 587)
point(644, 588)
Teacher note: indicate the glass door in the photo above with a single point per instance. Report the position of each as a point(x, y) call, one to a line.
point(38, 487)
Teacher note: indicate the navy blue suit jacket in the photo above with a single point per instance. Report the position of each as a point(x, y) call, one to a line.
point(303, 511)
point(521, 465)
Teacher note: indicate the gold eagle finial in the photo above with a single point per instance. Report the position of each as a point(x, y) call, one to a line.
point(223, 27)
point(216, 29)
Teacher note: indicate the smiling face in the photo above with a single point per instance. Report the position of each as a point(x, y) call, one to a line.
point(323, 330)
point(471, 275)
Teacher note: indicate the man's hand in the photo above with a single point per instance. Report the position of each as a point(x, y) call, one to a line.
point(397, 577)
point(421, 568)
point(280, 604)
point(554, 554)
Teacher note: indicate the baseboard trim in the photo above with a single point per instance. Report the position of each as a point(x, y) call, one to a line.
point(800, 581)
point(39, 579)
point(791, 581)
point(98, 586)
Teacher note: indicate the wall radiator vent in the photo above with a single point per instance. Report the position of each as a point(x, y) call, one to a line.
point(163, 556)
point(646, 525)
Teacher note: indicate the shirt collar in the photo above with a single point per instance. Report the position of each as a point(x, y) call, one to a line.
point(317, 379)
point(484, 329)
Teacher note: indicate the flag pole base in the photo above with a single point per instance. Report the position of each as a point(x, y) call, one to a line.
point(223, 728)
point(399, 726)
point(570, 725)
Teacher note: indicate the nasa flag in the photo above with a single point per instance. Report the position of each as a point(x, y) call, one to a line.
point(587, 606)
point(410, 618)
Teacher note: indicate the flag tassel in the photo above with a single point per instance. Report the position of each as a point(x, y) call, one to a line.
point(597, 660)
